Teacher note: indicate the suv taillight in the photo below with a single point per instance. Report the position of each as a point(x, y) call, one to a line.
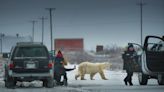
point(11, 66)
point(50, 65)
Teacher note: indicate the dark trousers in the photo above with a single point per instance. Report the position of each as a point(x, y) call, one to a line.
point(65, 75)
point(128, 78)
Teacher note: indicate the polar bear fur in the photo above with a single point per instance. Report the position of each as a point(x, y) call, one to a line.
point(92, 69)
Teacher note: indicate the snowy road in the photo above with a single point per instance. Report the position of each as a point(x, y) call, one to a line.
point(114, 84)
point(94, 88)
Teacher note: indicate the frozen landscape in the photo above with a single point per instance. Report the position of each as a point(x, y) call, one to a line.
point(113, 84)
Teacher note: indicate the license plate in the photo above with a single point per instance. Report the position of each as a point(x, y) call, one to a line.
point(30, 65)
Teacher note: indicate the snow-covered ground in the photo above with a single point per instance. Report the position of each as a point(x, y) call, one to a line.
point(114, 78)
point(113, 84)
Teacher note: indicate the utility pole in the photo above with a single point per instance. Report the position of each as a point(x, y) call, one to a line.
point(2, 35)
point(141, 19)
point(33, 29)
point(43, 18)
point(50, 13)
point(1, 44)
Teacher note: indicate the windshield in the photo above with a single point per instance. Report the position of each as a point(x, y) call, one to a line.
point(38, 52)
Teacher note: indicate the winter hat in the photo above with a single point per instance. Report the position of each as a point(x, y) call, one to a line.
point(59, 54)
point(130, 46)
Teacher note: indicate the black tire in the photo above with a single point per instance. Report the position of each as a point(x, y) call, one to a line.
point(160, 79)
point(50, 83)
point(143, 79)
point(10, 82)
point(44, 83)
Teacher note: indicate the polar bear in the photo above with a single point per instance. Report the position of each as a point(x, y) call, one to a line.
point(92, 69)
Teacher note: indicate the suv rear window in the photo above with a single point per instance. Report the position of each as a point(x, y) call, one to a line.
point(39, 52)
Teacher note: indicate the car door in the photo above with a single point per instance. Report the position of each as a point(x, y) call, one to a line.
point(154, 54)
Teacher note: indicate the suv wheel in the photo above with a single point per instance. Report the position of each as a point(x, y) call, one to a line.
point(10, 83)
point(44, 83)
point(50, 83)
point(160, 79)
point(143, 79)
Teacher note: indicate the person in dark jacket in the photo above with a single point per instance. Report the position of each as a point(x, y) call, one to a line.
point(59, 68)
point(128, 58)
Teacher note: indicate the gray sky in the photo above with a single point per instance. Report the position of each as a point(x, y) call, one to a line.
point(99, 22)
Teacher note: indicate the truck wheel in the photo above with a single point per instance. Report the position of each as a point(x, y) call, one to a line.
point(160, 79)
point(143, 79)
point(50, 83)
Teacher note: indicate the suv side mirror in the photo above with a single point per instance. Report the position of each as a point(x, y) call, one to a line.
point(5, 55)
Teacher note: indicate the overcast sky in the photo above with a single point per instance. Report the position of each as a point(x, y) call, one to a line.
point(99, 22)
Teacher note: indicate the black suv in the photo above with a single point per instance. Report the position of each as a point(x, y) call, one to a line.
point(151, 60)
point(28, 62)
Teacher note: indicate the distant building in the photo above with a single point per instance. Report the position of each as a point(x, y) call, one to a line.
point(7, 41)
point(75, 44)
point(99, 48)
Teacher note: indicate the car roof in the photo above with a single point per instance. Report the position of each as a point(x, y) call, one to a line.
point(22, 44)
